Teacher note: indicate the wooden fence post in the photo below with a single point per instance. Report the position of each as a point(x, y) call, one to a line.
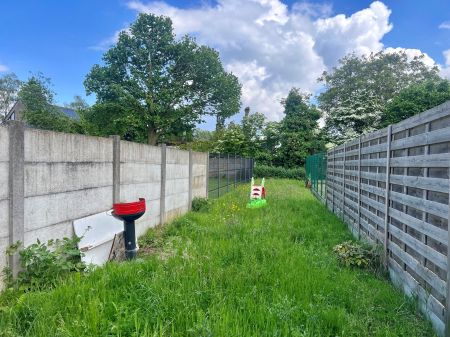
point(447, 297)
point(386, 196)
point(343, 183)
point(359, 188)
point(334, 181)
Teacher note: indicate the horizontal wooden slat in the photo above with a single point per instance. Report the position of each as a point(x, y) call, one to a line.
point(375, 204)
point(373, 162)
point(373, 189)
point(374, 148)
point(373, 135)
point(432, 137)
point(430, 277)
point(374, 176)
point(412, 288)
point(424, 250)
point(371, 216)
point(420, 204)
point(431, 160)
point(430, 184)
point(437, 112)
point(372, 230)
point(420, 225)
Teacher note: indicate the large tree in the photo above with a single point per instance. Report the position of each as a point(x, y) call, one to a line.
point(299, 129)
point(38, 98)
point(416, 99)
point(153, 87)
point(358, 90)
point(9, 87)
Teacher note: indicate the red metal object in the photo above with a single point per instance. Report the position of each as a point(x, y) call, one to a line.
point(129, 208)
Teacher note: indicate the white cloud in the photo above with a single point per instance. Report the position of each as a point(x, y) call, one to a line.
point(3, 68)
point(445, 69)
point(445, 25)
point(272, 48)
point(411, 53)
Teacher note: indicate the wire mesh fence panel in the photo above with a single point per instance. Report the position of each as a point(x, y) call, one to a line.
point(226, 172)
point(316, 174)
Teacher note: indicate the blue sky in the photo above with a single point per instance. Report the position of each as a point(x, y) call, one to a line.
point(64, 39)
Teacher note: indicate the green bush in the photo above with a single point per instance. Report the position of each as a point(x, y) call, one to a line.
point(43, 265)
point(353, 254)
point(200, 204)
point(265, 171)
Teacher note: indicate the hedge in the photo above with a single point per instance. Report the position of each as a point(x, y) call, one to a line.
point(266, 171)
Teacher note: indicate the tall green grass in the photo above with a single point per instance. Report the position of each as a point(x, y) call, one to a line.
point(227, 271)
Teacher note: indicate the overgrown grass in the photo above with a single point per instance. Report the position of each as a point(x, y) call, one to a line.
point(227, 271)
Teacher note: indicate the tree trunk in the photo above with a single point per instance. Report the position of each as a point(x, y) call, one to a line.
point(152, 136)
point(220, 122)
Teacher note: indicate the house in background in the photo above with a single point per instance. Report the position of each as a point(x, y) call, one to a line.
point(15, 114)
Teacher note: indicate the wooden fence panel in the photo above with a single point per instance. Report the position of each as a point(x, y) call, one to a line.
point(391, 187)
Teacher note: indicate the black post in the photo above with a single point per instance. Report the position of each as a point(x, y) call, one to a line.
point(129, 236)
point(218, 175)
point(228, 171)
point(234, 170)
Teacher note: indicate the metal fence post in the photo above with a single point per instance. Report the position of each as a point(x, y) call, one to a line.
point(386, 196)
point(234, 167)
point(218, 175)
point(245, 169)
point(228, 171)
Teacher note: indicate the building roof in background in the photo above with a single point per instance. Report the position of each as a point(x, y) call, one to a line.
point(71, 113)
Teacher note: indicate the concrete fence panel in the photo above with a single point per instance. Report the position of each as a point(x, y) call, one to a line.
point(49, 179)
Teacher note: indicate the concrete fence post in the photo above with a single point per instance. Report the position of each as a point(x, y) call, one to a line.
point(116, 168)
point(207, 174)
point(162, 203)
point(16, 190)
point(191, 180)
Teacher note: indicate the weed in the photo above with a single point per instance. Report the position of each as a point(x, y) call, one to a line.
point(200, 204)
point(43, 265)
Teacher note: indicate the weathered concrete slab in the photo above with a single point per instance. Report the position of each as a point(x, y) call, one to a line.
point(135, 173)
point(49, 146)
point(140, 153)
point(54, 231)
point(177, 171)
point(47, 178)
point(176, 186)
point(44, 210)
point(4, 217)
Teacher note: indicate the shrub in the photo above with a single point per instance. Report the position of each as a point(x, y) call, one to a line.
point(43, 265)
point(200, 204)
point(353, 254)
point(266, 171)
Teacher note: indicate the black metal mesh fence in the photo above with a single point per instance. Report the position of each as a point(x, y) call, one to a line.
point(226, 171)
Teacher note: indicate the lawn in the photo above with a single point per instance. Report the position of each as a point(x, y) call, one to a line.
point(228, 271)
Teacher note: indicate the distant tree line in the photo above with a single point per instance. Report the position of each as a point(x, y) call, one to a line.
point(154, 88)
